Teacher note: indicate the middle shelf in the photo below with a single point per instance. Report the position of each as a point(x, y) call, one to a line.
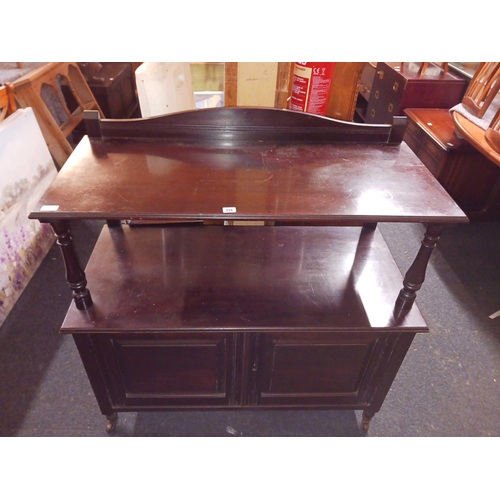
point(266, 278)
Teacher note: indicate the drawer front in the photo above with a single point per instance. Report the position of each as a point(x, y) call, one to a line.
point(168, 370)
point(471, 180)
point(432, 155)
point(413, 136)
point(299, 370)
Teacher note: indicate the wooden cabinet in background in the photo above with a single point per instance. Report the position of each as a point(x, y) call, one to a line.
point(469, 177)
point(113, 86)
point(397, 86)
point(365, 87)
point(344, 90)
point(114, 90)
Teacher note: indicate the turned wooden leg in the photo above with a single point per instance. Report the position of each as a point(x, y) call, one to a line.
point(415, 275)
point(112, 421)
point(75, 275)
point(367, 418)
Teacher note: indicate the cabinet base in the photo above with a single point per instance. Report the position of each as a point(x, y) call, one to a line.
point(212, 317)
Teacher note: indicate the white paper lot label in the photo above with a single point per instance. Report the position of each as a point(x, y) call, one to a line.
point(228, 210)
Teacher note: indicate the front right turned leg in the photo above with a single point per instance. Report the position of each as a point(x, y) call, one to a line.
point(415, 276)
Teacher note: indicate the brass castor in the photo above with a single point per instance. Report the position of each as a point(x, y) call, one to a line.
point(112, 421)
point(365, 422)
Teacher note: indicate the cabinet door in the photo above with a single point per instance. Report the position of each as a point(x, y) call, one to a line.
point(168, 370)
point(301, 370)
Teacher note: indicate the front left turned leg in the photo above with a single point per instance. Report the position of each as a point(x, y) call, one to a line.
point(415, 275)
point(75, 275)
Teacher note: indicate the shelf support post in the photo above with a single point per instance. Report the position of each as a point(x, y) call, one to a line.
point(415, 276)
point(75, 276)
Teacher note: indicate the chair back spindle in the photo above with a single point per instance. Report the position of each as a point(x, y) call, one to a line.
point(483, 88)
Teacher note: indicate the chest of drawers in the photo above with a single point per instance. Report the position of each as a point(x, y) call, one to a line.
point(468, 176)
point(398, 86)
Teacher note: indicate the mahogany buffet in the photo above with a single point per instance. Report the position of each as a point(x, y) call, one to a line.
point(181, 308)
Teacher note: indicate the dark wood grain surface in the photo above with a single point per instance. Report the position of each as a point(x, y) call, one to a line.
point(241, 278)
point(135, 179)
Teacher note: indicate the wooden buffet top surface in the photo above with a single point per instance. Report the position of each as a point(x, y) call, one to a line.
point(118, 178)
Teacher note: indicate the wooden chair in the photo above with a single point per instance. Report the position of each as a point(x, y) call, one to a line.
point(492, 134)
point(483, 88)
point(40, 89)
point(7, 102)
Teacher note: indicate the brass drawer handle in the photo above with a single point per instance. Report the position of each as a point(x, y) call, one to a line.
point(377, 93)
point(395, 87)
point(372, 112)
point(380, 74)
point(390, 107)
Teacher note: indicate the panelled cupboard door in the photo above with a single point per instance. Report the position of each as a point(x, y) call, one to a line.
point(319, 369)
point(168, 370)
point(342, 369)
